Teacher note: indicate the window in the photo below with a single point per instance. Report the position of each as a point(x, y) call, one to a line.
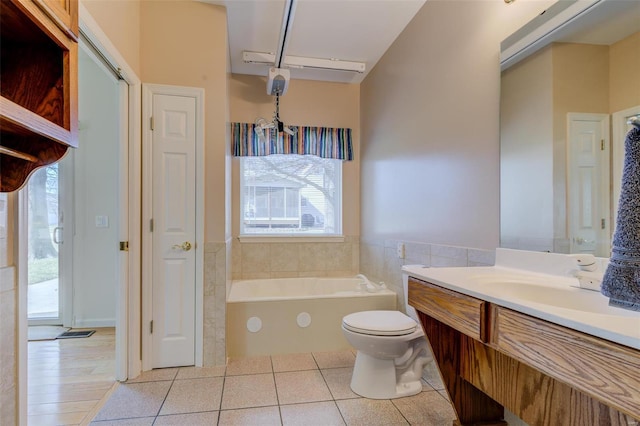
point(290, 195)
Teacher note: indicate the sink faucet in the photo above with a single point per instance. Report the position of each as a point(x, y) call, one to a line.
point(588, 274)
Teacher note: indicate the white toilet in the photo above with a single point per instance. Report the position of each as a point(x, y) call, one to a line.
point(392, 351)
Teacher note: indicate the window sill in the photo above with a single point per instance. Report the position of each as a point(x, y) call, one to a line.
point(291, 239)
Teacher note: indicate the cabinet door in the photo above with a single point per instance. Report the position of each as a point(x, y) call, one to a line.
point(64, 13)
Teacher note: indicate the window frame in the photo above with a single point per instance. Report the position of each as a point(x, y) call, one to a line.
point(294, 233)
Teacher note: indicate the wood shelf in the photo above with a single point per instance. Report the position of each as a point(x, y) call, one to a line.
point(38, 86)
point(20, 121)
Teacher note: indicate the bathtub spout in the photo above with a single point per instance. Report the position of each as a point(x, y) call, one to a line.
point(366, 285)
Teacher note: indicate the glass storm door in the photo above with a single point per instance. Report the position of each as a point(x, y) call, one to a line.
point(45, 245)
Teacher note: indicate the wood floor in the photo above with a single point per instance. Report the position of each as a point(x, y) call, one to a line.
point(68, 377)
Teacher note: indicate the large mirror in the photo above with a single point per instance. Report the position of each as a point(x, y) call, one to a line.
point(565, 103)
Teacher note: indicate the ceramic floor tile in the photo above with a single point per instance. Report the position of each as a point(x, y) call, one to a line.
point(200, 372)
point(301, 386)
point(335, 359)
point(370, 412)
point(264, 416)
point(339, 382)
point(426, 408)
point(293, 362)
point(256, 390)
point(192, 419)
point(135, 400)
point(251, 365)
point(193, 395)
point(313, 413)
point(141, 421)
point(158, 375)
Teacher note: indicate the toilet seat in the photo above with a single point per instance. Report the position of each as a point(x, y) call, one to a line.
point(379, 323)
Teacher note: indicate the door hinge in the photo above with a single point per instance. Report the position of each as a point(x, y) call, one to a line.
point(124, 245)
point(151, 122)
point(150, 225)
point(602, 224)
point(601, 144)
point(151, 327)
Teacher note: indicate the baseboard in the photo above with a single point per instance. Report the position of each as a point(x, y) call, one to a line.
point(95, 323)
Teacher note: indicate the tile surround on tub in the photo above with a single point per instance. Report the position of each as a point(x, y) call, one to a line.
point(379, 260)
point(289, 259)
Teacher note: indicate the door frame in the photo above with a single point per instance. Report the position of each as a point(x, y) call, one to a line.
point(128, 292)
point(148, 91)
point(619, 130)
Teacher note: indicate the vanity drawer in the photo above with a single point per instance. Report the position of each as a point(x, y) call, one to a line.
point(606, 370)
point(459, 311)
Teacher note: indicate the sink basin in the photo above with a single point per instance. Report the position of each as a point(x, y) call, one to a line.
point(560, 292)
point(566, 297)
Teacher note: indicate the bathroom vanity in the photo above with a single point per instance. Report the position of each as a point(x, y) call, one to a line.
point(495, 354)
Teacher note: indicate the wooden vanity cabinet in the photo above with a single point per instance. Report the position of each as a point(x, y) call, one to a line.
point(544, 373)
point(38, 88)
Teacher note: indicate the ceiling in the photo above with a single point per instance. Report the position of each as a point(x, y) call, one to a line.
point(348, 30)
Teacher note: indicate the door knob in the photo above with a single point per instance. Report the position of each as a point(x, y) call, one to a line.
point(186, 246)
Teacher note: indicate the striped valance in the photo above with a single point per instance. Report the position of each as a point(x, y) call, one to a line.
point(323, 142)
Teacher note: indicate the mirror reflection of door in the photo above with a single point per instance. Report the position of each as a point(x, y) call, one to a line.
point(48, 244)
point(588, 183)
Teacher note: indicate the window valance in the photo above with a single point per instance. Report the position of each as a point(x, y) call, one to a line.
point(325, 142)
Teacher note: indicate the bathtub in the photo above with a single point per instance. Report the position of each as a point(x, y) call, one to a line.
point(294, 315)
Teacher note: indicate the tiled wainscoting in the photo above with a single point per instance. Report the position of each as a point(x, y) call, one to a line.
point(379, 259)
point(295, 259)
point(216, 280)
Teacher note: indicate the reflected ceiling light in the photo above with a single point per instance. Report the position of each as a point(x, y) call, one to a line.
point(303, 62)
point(509, 1)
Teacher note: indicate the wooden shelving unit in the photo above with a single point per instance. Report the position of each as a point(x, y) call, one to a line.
point(38, 86)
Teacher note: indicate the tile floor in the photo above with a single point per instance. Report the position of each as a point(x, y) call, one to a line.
point(299, 389)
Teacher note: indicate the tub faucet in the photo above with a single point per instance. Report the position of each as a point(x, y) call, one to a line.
point(368, 286)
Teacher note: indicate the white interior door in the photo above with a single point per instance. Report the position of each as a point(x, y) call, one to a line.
point(588, 189)
point(174, 230)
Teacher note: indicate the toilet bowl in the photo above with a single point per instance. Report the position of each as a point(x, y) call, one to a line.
point(392, 352)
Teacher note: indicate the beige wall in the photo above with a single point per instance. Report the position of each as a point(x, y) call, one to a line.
point(120, 20)
point(185, 44)
point(624, 83)
point(430, 136)
point(526, 153)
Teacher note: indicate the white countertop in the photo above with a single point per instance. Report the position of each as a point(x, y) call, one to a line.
point(553, 298)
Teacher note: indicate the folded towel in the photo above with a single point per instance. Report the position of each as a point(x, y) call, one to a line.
point(621, 282)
